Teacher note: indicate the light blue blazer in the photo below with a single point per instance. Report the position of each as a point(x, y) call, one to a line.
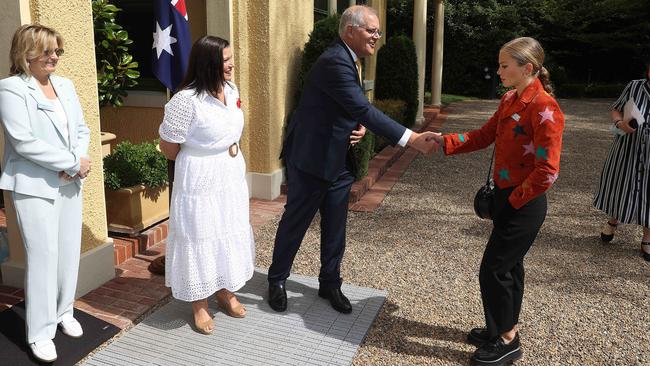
point(35, 150)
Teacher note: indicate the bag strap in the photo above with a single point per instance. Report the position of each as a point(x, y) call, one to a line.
point(490, 168)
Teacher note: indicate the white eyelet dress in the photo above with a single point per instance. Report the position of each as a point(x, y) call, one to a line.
point(210, 244)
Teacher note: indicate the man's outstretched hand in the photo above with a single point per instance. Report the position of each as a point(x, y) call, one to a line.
point(424, 142)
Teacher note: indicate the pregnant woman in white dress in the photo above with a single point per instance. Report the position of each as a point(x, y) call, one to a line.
point(210, 247)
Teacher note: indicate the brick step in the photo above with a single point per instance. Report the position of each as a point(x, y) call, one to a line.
point(126, 247)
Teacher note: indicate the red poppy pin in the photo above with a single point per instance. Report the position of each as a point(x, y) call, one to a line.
point(238, 103)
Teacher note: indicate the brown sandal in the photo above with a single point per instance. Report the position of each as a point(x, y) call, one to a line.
point(233, 311)
point(206, 327)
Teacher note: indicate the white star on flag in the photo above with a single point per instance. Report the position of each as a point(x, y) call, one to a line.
point(547, 115)
point(162, 40)
point(529, 148)
point(551, 178)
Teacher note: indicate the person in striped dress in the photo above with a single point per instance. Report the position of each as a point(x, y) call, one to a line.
point(624, 188)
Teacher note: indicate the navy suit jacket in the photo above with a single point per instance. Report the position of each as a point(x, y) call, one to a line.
point(330, 108)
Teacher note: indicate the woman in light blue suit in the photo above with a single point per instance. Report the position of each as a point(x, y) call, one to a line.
point(45, 159)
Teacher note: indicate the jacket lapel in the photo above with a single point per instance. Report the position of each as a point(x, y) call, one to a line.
point(44, 104)
point(526, 97)
point(350, 59)
point(66, 102)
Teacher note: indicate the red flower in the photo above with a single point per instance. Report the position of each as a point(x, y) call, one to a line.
point(238, 103)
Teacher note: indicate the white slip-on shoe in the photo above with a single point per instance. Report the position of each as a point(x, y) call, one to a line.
point(44, 350)
point(71, 327)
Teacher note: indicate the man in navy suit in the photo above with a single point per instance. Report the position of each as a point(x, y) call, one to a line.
point(319, 174)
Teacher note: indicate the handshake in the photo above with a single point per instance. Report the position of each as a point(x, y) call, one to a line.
point(426, 142)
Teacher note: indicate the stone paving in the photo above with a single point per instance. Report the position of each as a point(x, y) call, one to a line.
point(310, 332)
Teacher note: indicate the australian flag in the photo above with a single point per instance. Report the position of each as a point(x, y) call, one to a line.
point(171, 42)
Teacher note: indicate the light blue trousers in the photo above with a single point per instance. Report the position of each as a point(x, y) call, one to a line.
point(51, 232)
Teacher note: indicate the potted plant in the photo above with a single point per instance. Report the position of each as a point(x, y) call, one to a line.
point(137, 195)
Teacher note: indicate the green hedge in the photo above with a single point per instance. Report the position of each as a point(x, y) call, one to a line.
point(363, 152)
point(397, 75)
point(325, 32)
point(134, 164)
point(393, 108)
point(573, 90)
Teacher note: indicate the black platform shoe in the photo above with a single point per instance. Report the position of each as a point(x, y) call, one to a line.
point(608, 237)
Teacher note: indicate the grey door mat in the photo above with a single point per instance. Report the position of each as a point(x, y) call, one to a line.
point(310, 332)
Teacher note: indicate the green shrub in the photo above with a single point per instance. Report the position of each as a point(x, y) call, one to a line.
point(571, 90)
point(604, 90)
point(134, 164)
point(397, 75)
point(325, 32)
point(116, 70)
point(393, 108)
point(363, 152)
point(582, 90)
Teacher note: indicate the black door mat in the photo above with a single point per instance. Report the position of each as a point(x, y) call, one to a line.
point(14, 350)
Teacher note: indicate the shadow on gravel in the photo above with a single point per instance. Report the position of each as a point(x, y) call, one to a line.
point(405, 334)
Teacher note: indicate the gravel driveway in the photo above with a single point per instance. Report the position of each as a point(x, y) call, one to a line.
point(586, 303)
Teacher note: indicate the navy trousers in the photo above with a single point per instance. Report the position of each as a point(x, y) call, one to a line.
point(502, 269)
point(306, 195)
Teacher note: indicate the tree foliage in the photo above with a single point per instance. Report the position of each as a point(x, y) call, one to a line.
point(586, 41)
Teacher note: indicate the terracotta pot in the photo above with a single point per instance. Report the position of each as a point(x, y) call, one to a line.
point(131, 210)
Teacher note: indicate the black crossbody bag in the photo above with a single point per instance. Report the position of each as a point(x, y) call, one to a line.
point(484, 198)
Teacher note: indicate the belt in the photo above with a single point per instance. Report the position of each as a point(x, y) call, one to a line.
point(232, 150)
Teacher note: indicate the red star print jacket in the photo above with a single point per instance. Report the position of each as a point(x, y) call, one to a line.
point(527, 132)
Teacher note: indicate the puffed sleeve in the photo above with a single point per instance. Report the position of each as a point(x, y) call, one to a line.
point(623, 98)
point(548, 124)
point(179, 114)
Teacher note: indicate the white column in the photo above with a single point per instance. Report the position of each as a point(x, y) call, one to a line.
point(420, 40)
point(331, 7)
point(353, 2)
point(438, 46)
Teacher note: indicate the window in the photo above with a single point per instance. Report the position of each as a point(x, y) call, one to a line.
point(136, 18)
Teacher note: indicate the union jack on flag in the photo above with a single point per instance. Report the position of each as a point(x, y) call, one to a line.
point(171, 42)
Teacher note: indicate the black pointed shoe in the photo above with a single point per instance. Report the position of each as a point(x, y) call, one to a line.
point(277, 297)
point(339, 302)
point(608, 237)
point(496, 352)
point(478, 336)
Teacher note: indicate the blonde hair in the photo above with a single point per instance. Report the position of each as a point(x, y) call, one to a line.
point(30, 41)
point(527, 50)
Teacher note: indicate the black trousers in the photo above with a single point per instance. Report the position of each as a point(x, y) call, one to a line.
point(307, 194)
point(502, 268)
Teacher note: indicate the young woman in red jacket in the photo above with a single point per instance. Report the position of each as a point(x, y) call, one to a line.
point(527, 132)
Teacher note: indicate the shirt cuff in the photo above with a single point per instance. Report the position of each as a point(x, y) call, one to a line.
point(76, 168)
point(405, 138)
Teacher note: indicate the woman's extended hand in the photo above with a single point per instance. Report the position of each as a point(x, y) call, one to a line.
point(439, 139)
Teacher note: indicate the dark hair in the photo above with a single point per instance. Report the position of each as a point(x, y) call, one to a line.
point(205, 70)
point(646, 70)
